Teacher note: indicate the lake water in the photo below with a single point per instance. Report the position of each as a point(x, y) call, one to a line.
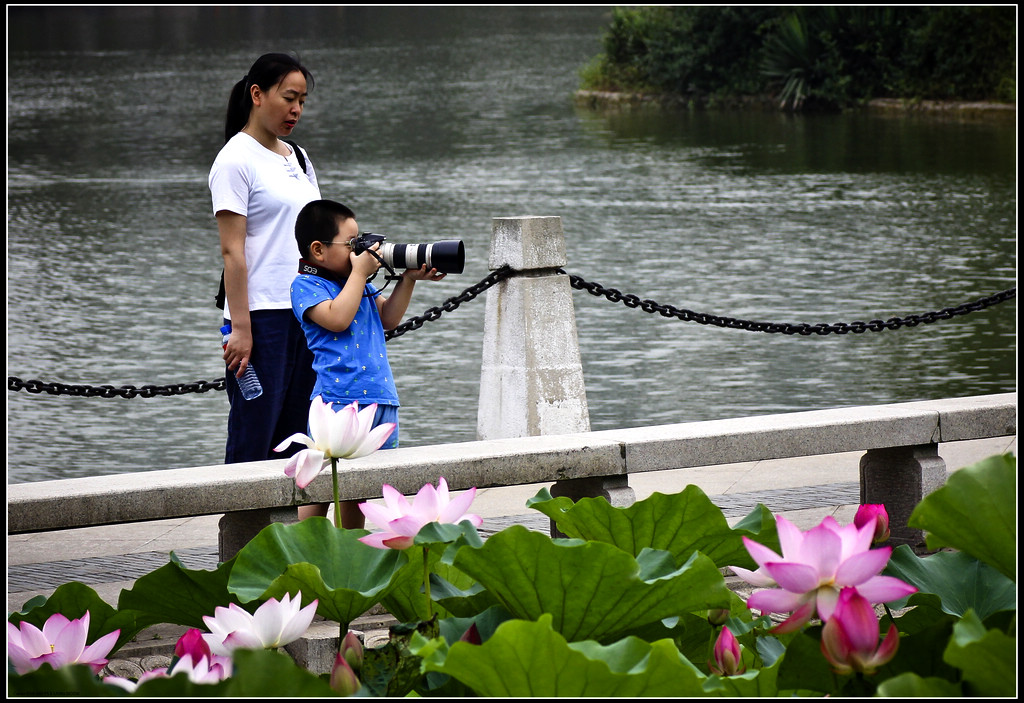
point(430, 122)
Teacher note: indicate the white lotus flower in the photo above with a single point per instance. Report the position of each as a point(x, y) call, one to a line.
point(345, 434)
point(274, 624)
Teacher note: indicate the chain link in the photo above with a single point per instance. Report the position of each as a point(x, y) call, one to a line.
point(495, 277)
point(857, 327)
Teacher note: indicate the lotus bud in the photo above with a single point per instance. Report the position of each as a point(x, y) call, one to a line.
point(343, 679)
point(471, 635)
point(192, 642)
point(849, 640)
point(352, 651)
point(874, 513)
point(727, 655)
point(718, 617)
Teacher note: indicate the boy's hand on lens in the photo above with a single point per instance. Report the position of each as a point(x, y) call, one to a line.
point(423, 274)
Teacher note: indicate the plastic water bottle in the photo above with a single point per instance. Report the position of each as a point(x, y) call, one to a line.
point(248, 383)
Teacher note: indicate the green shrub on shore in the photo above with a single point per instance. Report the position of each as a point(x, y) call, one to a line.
point(809, 57)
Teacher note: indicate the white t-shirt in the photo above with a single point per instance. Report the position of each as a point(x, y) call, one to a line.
point(269, 190)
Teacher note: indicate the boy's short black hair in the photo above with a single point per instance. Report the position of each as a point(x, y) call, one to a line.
point(318, 222)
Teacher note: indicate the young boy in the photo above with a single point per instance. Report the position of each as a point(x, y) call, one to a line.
point(344, 319)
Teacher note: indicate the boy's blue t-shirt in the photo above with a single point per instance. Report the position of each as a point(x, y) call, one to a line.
point(350, 365)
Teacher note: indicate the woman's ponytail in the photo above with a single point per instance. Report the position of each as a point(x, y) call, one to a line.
point(239, 107)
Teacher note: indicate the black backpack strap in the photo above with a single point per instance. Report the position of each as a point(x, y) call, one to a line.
point(298, 154)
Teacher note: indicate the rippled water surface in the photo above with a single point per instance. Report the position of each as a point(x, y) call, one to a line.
point(429, 123)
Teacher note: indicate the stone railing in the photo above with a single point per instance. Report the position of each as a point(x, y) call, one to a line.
point(900, 466)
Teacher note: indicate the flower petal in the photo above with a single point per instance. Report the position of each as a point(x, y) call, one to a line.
point(884, 589)
point(822, 549)
point(760, 553)
point(794, 577)
point(95, 655)
point(373, 441)
point(425, 505)
point(319, 422)
point(395, 501)
point(755, 578)
point(861, 567)
point(775, 600)
point(299, 438)
point(343, 432)
point(800, 617)
point(377, 514)
point(455, 509)
point(309, 465)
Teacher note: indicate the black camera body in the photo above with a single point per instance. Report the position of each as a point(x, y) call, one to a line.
point(447, 256)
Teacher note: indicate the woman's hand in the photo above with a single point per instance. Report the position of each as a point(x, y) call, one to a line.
point(238, 351)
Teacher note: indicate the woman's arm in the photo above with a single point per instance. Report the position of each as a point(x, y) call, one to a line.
point(231, 227)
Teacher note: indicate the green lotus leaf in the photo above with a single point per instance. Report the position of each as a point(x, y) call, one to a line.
point(460, 602)
point(176, 595)
point(910, 685)
point(530, 659)
point(680, 523)
point(755, 683)
point(803, 668)
point(330, 564)
point(962, 582)
point(975, 512)
point(986, 657)
point(593, 590)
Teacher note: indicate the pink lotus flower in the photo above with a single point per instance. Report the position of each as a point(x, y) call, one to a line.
point(59, 643)
point(727, 655)
point(274, 624)
point(814, 567)
point(400, 522)
point(345, 434)
point(193, 658)
point(877, 516)
point(849, 640)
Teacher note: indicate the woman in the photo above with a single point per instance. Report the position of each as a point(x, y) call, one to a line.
point(259, 183)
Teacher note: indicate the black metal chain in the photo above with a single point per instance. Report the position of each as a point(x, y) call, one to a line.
point(107, 391)
point(893, 323)
point(465, 296)
point(495, 277)
point(53, 388)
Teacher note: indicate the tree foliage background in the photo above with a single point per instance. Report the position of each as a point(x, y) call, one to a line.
point(810, 57)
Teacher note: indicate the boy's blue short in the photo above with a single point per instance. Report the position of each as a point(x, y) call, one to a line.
point(386, 413)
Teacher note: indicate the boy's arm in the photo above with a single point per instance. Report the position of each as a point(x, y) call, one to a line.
point(392, 309)
point(337, 314)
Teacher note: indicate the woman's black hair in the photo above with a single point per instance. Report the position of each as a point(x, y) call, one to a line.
point(267, 72)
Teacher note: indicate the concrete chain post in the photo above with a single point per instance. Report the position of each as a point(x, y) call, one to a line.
point(531, 380)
